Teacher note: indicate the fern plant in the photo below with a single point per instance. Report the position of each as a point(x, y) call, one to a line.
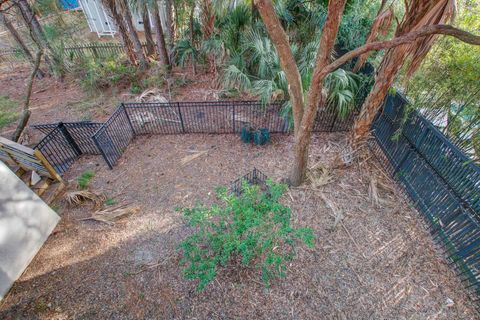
point(253, 229)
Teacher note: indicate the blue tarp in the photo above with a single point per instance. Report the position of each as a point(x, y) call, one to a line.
point(69, 4)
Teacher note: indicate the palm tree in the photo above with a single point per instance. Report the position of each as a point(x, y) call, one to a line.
point(132, 33)
point(113, 12)
point(147, 28)
point(208, 18)
point(157, 26)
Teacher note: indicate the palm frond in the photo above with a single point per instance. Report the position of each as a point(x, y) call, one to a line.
point(235, 78)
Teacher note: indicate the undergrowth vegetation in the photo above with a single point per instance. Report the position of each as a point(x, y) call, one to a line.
point(251, 230)
point(242, 53)
point(84, 179)
point(8, 111)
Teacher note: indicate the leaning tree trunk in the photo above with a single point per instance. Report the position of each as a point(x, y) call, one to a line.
point(148, 30)
point(132, 34)
point(13, 32)
point(161, 46)
point(390, 67)
point(26, 106)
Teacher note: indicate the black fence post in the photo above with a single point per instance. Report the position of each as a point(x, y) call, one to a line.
point(180, 116)
point(233, 117)
point(69, 138)
point(128, 118)
point(110, 166)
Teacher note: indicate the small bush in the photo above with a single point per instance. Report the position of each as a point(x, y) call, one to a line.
point(253, 229)
point(110, 202)
point(84, 179)
point(107, 72)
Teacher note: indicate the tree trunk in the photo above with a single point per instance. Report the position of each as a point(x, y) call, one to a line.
point(170, 25)
point(208, 18)
point(194, 67)
point(113, 12)
point(315, 97)
point(20, 43)
point(391, 65)
point(287, 60)
point(161, 46)
point(323, 67)
point(26, 107)
point(132, 34)
point(148, 30)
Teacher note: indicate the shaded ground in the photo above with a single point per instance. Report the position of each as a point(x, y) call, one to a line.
point(378, 263)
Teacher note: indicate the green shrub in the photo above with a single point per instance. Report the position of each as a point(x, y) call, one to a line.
point(107, 72)
point(8, 112)
point(253, 229)
point(110, 202)
point(84, 179)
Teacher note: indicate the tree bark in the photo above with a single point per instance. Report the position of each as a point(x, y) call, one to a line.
point(113, 12)
point(388, 70)
point(148, 30)
point(26, 107)
point(287, 60)
point(192, 38)
point(315, 98)
point(170, 32)
point(20, 43)
point(208, 18)
point(161, 46)
point(132, 34)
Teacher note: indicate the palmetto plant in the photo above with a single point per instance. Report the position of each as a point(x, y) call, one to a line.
point(185, 52)
point(342, 87)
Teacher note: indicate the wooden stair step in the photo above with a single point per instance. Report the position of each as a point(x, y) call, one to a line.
point(26, 177)
point(52, 192)
point(41, 186)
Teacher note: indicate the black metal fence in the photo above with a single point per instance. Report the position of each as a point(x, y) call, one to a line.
point(113, 137)
point(94, 50)
point(132, 119)
point(255, 177)
point(65, 142)
point(442, 182)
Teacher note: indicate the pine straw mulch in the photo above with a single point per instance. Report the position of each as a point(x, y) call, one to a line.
point(373, 257)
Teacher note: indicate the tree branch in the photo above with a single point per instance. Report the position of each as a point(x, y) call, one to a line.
point(287, 60)
point(26, 107)
point(407, 38)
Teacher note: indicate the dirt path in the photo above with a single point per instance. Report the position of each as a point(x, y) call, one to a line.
point(379, 263)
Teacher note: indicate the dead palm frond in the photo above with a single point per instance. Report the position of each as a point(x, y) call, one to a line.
point(113, 214)
point(76, 198)
point(319, 175)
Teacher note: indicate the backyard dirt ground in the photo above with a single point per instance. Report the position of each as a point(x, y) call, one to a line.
point(54, 100)
point(377, 262)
